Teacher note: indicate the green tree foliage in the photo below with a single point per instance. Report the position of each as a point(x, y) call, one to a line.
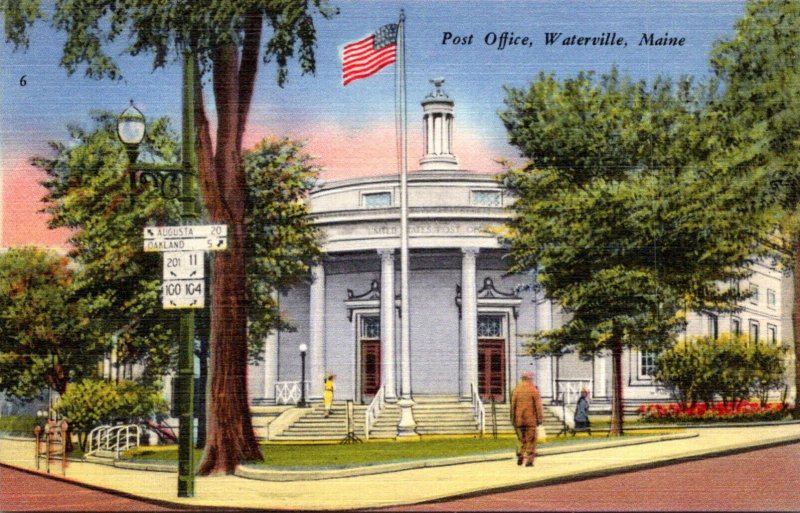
point(226, 37)
point(47, 335)
point(88, 191)
point(94, 402)
point(730, 368)
point(758, 69)
point(629, 209)
point(282, 241)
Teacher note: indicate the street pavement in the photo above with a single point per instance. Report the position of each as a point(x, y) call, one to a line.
point(722, 483)
point(416, 485)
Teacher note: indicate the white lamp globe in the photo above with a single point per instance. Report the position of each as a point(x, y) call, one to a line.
point(131, 126)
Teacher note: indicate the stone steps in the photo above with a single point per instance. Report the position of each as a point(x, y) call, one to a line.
point(434, 415)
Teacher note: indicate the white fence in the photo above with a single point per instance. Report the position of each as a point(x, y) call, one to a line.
point(288, 392)
point(569, 390)
point(114, 439)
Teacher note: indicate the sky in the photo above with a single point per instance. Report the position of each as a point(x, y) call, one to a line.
point(350, 129)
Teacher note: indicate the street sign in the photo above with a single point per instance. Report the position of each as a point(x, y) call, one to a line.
point(210, 244)
point(188, 231)
point(211, 237)
point(183, 294)
point(183, 265)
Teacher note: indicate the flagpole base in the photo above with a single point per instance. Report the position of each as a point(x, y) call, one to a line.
point(407, 427)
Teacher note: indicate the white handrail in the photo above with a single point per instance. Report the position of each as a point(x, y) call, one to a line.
point(478, 410)
point(373, 410)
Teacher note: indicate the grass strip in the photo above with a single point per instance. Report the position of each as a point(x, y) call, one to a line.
point(334, 455)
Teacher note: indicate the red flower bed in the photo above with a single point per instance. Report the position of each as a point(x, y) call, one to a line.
point(702, 412)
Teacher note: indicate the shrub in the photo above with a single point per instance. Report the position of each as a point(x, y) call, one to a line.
point(731, 368)
point(93, 402)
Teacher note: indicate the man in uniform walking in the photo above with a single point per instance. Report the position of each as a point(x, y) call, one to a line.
point(526, 415)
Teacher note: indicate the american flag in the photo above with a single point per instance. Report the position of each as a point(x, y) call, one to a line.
point(366, 57)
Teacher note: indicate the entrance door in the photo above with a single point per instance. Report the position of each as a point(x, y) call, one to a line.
point(491, 358)
point(370, 368)
point(491, 370)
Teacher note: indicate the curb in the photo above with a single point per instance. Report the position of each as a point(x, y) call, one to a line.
point(130, 465)
point(272, 474)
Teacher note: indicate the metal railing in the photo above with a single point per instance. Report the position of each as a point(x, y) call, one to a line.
point(288, 392)
point(373, 410)
point(478, 410)
point(116, 439)
point(570, 389)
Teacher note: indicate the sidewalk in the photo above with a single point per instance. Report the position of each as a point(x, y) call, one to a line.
point(412, 485)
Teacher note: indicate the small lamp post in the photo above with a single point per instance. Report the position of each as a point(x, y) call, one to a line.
point(303, 404)
point(174, 181)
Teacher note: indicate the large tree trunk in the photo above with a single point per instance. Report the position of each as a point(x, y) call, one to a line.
point(617, 416)
point(796, 330)
point(230, 439)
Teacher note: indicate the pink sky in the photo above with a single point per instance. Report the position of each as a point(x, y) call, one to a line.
point(342, 153)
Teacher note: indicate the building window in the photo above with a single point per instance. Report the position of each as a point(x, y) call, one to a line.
point(370, 327)
point(713, 326)
point(736, 326)
point(647, 364)
point(772, 299)
point(754, 328)
point(490, 326)
point(376, 199)
point(772, 334)
point(487, 198)
point(754, 294)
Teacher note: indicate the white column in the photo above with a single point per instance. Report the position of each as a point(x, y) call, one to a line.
point(315, 374)
point(446, 134)
point(599, 375)
point(437, 134)
point(469, 322)
point(270, 363)
point(387, 324)
point(429, 121)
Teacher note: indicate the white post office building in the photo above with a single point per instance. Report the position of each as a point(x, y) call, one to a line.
point(467, 316)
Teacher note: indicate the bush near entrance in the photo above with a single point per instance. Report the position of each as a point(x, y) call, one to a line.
point(731, 369)
point(743, 412)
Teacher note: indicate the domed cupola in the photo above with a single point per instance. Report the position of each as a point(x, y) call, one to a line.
point(437, 130)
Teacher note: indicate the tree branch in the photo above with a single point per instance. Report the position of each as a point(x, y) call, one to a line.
point(248, 70)
point(209, 182)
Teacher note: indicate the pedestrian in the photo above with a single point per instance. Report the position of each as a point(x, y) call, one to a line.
point(526, 414)
point(582, 412)
point(328, 396)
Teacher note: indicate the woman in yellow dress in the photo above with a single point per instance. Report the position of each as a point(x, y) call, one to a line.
point(328, 396)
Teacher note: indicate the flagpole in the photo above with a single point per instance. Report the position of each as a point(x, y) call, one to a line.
point(406, 427)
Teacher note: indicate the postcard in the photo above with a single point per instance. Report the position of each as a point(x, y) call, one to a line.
point(393, 253)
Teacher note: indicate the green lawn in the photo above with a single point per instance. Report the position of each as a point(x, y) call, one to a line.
point(336, 455)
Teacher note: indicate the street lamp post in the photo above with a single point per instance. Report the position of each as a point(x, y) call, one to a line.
point(303, 348)
point(174, 182)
